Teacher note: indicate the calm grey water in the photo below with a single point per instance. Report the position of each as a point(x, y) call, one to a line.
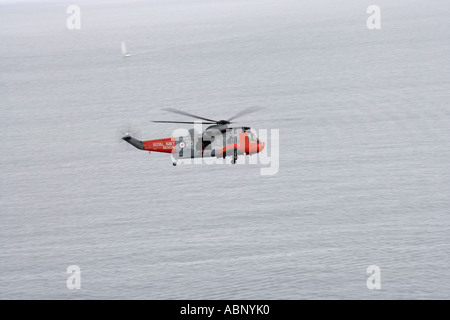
point(364, 171)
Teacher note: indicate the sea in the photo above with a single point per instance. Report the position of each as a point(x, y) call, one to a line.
point(356, 204)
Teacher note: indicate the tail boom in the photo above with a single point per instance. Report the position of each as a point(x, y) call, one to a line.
point(168, 145)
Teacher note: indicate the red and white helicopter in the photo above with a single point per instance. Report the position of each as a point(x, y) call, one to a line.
point(217, 140)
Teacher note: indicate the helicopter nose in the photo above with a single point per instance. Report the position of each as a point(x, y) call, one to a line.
point(261, 145)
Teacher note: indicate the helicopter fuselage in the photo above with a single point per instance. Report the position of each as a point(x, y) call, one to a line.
point(216, 141)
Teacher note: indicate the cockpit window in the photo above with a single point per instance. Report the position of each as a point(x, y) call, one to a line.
point(251, 137)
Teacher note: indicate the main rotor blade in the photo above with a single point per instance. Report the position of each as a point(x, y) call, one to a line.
point(245, 111)
point(189, 114)
point(188, 122)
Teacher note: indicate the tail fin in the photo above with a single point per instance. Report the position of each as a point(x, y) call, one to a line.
point(137, 143)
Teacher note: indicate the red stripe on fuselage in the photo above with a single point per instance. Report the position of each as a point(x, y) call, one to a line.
point(227, 148)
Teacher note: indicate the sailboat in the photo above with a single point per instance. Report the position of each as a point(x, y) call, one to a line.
point(124, 50)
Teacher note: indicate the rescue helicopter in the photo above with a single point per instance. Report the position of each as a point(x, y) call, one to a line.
point(217, 140)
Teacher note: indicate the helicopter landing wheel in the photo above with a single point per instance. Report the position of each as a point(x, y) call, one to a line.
point(174, 164)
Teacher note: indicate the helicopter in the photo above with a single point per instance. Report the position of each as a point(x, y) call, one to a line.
point(218, 140)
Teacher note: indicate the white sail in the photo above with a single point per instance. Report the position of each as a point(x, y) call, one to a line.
point(124, 48)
